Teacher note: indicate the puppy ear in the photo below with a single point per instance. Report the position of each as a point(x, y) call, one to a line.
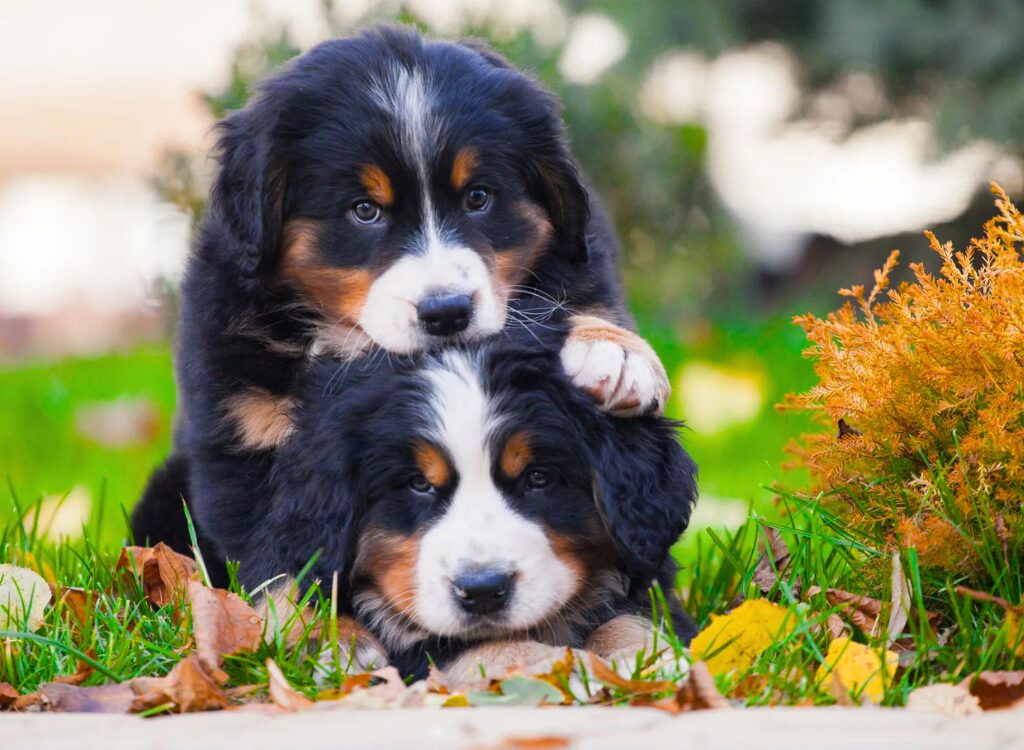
point(247, 195)
point(556, 180)
point(645, 486)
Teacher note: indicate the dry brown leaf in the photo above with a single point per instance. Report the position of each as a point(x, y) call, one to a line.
point(997, 690)
point(165, 574)
point(222, 624)
point(282, 694)
point(773, 561)
point(698, 693)
point(114, 698)
point(899, 602)
point(835, 626)
point(189, 687)
point(547, 742)
point(863, 611)
point(605, 674)
point(80, 675)
point(76, 604)
point(954, 701)
point(7, 694)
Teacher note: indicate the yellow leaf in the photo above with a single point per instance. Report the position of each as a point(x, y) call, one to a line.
point(858, 668)
point(735, 640)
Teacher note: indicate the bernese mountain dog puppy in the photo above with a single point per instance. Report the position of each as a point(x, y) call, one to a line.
point(381, 195)
point(474, 504)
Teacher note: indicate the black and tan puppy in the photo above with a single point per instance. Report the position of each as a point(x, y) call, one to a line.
point(473, 504)
point(385, 193)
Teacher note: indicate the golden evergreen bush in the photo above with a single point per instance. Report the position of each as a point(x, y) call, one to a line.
point(921, 394)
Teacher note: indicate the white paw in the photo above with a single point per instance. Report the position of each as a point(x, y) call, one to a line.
point(366, 656)
point(622, 382)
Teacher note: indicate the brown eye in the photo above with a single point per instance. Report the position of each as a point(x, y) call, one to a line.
point(419, 483)
point(366, 212)
point(537, 479)
point(477, 199)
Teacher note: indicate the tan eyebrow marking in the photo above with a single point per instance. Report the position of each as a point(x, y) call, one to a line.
point(432, 463)
point(517, 454)
point(377, 184)
point(463, 166)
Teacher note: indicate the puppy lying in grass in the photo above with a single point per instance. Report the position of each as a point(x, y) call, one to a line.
point(474, 506)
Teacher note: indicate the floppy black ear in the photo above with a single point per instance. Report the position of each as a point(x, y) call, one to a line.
point(248, 193)
point(552, 174)
point(645, 486)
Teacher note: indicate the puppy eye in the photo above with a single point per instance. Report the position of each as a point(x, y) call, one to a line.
point(366, 212)
point(477, 199)
point(419, 483)
point(537, 479)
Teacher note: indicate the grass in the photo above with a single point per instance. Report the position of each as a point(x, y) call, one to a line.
point(125, 637)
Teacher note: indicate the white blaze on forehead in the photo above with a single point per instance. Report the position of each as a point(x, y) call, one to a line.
point(438, 261)
point(479, 529)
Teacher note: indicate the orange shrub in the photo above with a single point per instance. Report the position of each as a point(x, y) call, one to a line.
point(922, 391)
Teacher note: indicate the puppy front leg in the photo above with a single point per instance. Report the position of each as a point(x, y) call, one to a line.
point(620, 640)
point(495, 659)
point(620, 370)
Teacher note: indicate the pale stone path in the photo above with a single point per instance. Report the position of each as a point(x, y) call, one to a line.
point(490, 728)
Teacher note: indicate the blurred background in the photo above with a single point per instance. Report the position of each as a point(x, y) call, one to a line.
point(755, 155)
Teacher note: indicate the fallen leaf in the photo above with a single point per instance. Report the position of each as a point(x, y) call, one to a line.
point(835, 626)
point(7, 694)
point(222, 624)
point(996, 690)
point(899, 602)
point(457, 700)
point(388, 690)
point(518, 690)
point(604, 673)
point(82, 673)
point(282, 694)
point(76, 603)
point(863, 611)
point(189, 687)
point(24, 595)
point(773, 561)
point(858, 668)
point(114, 698)
point(954, 701)
point(735, 640)
point(548, 742)
point(699, 692)
point(164, 573)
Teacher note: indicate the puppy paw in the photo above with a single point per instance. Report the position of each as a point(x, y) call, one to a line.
point(357, 652)
point(619, 370)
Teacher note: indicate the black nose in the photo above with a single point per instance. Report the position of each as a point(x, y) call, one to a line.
point(482, 592)
point(444, 314)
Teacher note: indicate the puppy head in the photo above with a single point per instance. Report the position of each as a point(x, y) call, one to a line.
point(402, 187)
point(486, 497)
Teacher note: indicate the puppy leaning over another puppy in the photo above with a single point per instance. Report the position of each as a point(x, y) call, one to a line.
point(385, 192)
point(475, 506)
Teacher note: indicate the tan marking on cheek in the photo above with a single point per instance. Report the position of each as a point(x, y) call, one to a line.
point(377, 184)
point(262, 420)
point(431, 461)
point(339, 293)
point(514, 265)
point(462, 167)
point(623, 635)
point(516, 455)
point(567, 551)
point(390, 561)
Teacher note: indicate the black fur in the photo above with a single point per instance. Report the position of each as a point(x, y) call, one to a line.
point(625, 488)
point(293, 153)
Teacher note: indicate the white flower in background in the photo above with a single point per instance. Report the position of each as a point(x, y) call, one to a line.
point(713, 398)
point(60, 517)
point(596, 42)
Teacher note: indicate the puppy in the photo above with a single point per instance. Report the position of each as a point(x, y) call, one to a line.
point(385, 192)
point(474, 504)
